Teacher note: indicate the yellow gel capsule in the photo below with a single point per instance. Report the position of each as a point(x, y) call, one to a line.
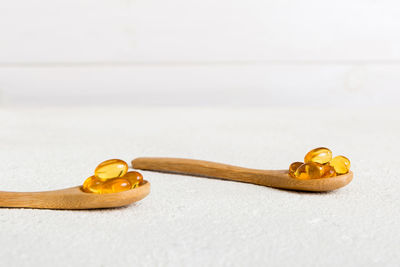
point(320, 155)
point(92, 185)
point(112, 168)
point(325, 170)
point(293, 167)
point(329, 171)
point(115, 185)
point(341, 164)
point(97, 186)
point(135, 178)
point(308, 171)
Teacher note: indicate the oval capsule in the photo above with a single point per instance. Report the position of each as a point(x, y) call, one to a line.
point(293, 167)
point(135, 178)
point(341, 164)
point(308, 171)
point(112, 168)
point(319, 155)
point(92, 185)
point(329, 171)
point(97, 186)
point(115, 185)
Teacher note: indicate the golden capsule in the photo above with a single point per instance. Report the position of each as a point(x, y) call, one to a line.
point(293, 167)
point(112, 168)
point(341, 164)
point(92, 185)
point(135, 178)
point(329, 171)
point(115, 185)
point(98, 186)
point(308, 171)
point(320, 155)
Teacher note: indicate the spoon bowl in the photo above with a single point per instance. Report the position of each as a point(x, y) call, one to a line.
point(271, 178)
point(72, 198)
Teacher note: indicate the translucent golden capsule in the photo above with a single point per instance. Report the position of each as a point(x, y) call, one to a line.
point(308, 171)
point(92, 185)
point(112, 168)
point(319, 155)
point(341, 164)
point(98, 186)
point(115, 185)
point(293, 167)
point(329, 171)
point(134, 178)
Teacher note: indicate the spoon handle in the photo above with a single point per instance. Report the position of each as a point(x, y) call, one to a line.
point(26, 199)
point(210, 169)
point(72, 198)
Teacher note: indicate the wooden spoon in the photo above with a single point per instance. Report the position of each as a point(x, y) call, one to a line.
point(271, 178)
point(72, 198)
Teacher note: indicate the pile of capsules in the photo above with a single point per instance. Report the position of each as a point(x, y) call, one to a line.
point(112, 176)
point(318, 163)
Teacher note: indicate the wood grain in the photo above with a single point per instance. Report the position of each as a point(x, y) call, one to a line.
point(271, 178)
point(72, 198)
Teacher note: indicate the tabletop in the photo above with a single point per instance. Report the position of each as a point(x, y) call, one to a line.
point(189, 221)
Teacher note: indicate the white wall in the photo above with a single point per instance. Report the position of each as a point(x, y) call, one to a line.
point(187, 52)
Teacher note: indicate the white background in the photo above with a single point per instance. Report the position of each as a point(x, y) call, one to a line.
point(186, 52)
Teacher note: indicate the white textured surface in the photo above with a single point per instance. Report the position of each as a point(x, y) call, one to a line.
point(194, 221)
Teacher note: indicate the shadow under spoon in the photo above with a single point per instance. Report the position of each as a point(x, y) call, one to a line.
point(270, 178)
point(72, 198)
